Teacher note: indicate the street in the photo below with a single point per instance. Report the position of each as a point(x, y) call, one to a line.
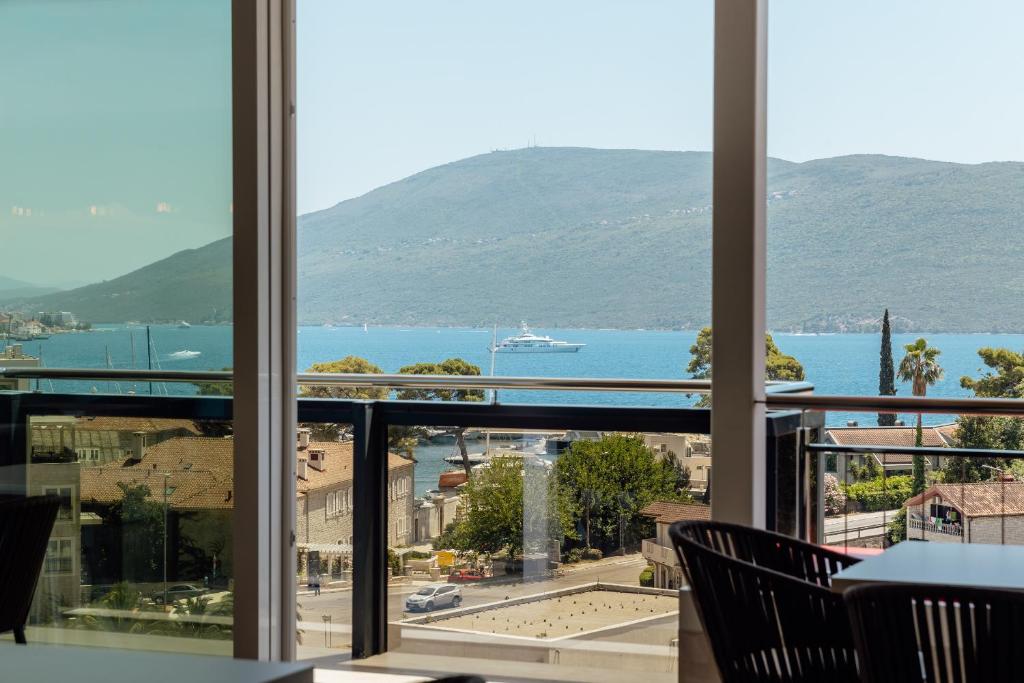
point(337, 605)
point(857, 525)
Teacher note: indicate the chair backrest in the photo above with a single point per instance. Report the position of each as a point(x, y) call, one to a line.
point(782, 553)
point(938, 633)
point(25, 526)
point(764, 625)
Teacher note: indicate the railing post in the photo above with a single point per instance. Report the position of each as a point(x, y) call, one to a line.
point(370, 532)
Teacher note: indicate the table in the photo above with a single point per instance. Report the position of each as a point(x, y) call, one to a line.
point(49, 664)
point(953, 564)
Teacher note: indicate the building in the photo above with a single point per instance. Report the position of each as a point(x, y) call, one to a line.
point(101, 440)
point(983, 512)
point(689, 451)
point(325, 498)
point(668, 572)
point(14, 357)
point(938, 436)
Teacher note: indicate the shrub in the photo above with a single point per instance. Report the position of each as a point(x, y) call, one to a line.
point(647, 577)
point(835, 498)
point(592, 554)
point(880, 493)
point(574, 555)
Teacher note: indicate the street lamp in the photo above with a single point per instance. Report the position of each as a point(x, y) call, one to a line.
point(1002, 491)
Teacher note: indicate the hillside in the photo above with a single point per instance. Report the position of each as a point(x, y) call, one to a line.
point(194, 284)
point(621, 238)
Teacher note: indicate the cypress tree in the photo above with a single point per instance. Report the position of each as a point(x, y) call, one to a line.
point(886, 372)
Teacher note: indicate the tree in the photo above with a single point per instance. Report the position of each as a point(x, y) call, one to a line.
point(347, 365)
point(607, 482)
point(778, 366)
point(886, 372)
point(921, 368)
point(451, 366)
point(835, 497)
point(494, 515)
point(215, 428)
point(1003, 379)
point(138, 522)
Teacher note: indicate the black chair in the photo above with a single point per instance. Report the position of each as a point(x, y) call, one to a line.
point(945, 634)
point(776, 551)
point(764, 625)
point(25, 526)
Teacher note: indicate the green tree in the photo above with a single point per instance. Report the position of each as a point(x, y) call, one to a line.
point(141, 524)
point(451, 366)
point(494, 515)
point(607, 482)
point(215, 428)
point(921, 368)
point(1003, 379)
point(886, 372)
point(347, 365)
point(778, 366)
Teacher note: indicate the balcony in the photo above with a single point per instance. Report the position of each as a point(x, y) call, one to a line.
point(659, 554)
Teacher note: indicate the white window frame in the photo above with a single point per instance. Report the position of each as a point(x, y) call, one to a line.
point(48, 490)
point(60, 541)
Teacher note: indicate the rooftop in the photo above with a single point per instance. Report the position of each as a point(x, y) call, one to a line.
point(981, 499)
point(667, 512)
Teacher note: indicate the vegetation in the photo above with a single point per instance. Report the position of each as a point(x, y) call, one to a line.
point(647, 577)
point(321, 431)
point(606, 483)
point(835, 496)
point(135, 524)
point(1003, 379)
point(778, 366)
point(451, 366)
point(921, 368)
point(886, 372)
point(881, 493)
point(633, 231)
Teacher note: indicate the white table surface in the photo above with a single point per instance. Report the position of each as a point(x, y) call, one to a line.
point(34, 663)
point(953, 564)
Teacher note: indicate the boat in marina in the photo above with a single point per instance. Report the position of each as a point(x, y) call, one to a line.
point(184, 325)
point(528, 342)
point(185, 354)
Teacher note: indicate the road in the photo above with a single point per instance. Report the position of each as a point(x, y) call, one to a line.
point(338, 605)
point(857, 525)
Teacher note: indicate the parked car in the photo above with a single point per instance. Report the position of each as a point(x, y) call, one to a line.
point(459, 575)
point(179, 591)
point(434, 596)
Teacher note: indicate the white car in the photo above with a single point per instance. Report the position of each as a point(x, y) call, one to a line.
point(434, 596)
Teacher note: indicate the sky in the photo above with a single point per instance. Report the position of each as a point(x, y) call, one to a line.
point(115, 145)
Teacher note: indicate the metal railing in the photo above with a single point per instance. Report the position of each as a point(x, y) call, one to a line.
point(400, 381)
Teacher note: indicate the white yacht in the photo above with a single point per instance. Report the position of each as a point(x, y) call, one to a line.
point(528, 342)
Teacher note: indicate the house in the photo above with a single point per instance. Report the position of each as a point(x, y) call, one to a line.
point(982, 512)
point(668, 573)
point(938, 436)
point(325, 498)
point(14, 357)
point(689, 451)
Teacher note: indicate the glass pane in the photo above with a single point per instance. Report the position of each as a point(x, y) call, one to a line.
point(553, 547)
point(490, 180)
point(115, 181)
point(140, 555)
point(324, 512)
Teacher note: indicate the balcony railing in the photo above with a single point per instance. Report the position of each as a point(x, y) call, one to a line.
point(655, 552)
point(933, 528)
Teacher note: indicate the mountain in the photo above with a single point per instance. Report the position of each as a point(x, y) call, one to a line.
point(11, 289)
point(194, 284)
point(578, 237)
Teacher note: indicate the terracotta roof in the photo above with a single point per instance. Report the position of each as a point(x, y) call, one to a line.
point(337, 465)
point(136, 424)
point(884, 436)
point(665, 512)
point(982, 499)
point(200, 474)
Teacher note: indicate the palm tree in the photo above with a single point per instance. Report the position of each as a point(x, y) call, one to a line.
point(920, 367)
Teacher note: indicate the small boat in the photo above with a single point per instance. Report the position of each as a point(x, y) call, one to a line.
point(185, 354)
point(184, 325)
point(528, 342)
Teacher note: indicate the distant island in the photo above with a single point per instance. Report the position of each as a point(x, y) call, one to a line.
point(576, 237)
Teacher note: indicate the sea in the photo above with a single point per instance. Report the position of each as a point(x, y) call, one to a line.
point(835, 364)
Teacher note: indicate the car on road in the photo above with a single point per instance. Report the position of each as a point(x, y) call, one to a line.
point(179, 591)
point(460, 575)
point(434, 596)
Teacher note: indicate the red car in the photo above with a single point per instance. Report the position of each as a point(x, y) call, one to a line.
point(465, 575)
